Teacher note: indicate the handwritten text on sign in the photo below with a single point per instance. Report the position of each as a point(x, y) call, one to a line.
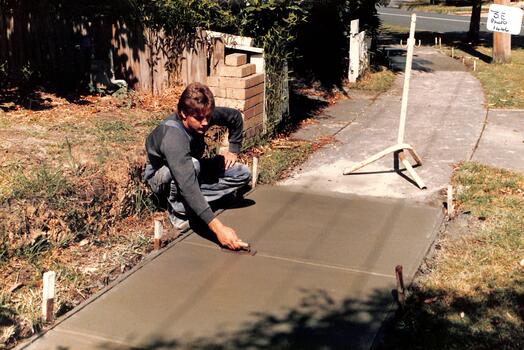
point(504, 19)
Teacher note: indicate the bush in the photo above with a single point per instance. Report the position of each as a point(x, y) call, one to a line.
point(274, 25)
point(326, 60)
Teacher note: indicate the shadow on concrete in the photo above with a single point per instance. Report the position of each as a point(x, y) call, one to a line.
point(201, 229)
point(301, 107)
point(398, 63)
point(318, 321)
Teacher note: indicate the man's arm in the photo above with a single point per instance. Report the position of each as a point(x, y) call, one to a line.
point(226, 235)
point(232, 119)
point(177, 153)
point(176, 150)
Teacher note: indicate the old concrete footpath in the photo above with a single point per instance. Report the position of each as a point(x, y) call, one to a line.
point(445, 118)
point(327, 243)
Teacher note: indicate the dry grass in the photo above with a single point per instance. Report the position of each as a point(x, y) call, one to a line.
point(380, 80)
point(472, 294)
point(71, 200)
point(277, 158)
point(502, 83)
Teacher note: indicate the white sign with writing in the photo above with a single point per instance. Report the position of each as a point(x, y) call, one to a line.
point(504, 19)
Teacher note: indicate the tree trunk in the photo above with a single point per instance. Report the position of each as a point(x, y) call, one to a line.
point(474, 23)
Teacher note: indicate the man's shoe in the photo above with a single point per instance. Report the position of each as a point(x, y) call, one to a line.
point(239, 193)
point(179, 222)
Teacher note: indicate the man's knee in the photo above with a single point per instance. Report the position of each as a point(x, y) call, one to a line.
point(160, 180)
point(240, 172)
point(196, 165)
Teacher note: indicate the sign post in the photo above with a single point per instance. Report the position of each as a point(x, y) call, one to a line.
point(503, 21)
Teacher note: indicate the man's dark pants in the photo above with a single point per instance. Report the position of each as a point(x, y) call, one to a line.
point(215, 182)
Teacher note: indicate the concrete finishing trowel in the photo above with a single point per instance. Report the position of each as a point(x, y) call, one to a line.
point(245, 249)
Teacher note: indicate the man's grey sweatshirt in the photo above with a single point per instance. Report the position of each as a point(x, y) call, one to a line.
point(172, 145)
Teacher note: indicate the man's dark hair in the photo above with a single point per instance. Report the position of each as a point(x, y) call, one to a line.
point(196, 100)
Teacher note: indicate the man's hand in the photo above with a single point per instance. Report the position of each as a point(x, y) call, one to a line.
point(226, 235)
point(230, 159)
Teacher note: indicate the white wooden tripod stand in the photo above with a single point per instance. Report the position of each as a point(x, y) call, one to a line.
point(400, 148)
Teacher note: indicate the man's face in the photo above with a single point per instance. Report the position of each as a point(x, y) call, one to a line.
point(197, 123)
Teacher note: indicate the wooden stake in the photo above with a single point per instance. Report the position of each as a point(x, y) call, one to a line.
point(436, 41)
point(440, 42)
point(452, 52)
point(411, 171)
point(48, 296)
point(451, 207)
point(401, 291)
point(419, 42)
point(158, 234)
point(255, 172)
point(474, 65)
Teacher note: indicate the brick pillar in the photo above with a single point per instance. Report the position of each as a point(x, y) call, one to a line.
point(237, 85)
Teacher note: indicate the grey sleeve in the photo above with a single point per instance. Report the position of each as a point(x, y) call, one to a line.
point(175, 148)
point(232, 119)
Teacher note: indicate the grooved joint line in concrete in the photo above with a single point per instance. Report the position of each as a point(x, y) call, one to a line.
point(96, 337)
point(480, 135)
point(305, 262)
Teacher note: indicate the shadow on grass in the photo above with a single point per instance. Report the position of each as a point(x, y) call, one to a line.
point(33, 99)
point(432, 320)
point(452, 39)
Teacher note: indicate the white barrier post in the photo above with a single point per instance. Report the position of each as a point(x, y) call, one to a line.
point(48, 296)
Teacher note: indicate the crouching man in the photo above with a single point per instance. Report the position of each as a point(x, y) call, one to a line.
point(177, 170)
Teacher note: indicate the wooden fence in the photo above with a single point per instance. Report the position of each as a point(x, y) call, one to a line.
point(152, 61)
point(47, 48)
point(66, 53)
point(41, 47)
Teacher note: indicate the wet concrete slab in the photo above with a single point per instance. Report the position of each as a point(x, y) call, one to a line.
point(197, 297)
point(322, 278)
point(364, 234)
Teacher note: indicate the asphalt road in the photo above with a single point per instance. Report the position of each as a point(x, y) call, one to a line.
point(426, 21)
